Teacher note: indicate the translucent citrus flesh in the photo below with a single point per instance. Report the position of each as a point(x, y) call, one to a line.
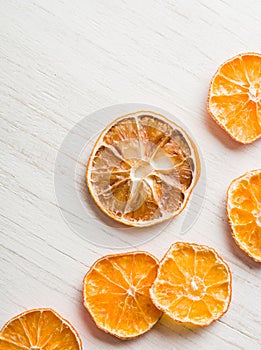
point(193, 284)
point(142, 170)
point(116, 293)
point(38, 329)
point(235, 97)
point(244, 212)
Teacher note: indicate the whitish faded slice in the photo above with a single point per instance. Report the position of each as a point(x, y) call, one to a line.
point(142, 169)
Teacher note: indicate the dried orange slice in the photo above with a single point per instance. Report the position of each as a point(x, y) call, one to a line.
point(116, 293)
point(193, 284)
point(244, 212)
point(39, 329)
point(235, 97)
point(142, 169)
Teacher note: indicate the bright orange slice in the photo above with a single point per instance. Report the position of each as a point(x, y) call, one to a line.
point(244, 212)
point(193, 284)
point(142, 169)
point(39, 329)
point(116, 293)
point(235, 97)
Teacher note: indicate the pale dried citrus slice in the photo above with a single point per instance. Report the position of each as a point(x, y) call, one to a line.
point(244, 212)
point(235, 97)
point(193, 284)
point(39, 329)
point(142, 169)
point(116, 293)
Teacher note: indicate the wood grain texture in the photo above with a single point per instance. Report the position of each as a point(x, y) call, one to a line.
point(61, 60)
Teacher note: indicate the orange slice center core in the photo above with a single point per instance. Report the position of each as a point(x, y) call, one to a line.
point(131, 291)
point(196, 288)
point(255, 92)
point(141, 169)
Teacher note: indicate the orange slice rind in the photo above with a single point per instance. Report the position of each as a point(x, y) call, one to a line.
point(142, 169)
point(116, 293)
point(39, 329)
point(244, 212)
point(193, 284)
point(234, 99)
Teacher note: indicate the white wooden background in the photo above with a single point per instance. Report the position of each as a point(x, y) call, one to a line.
point(61, 60)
